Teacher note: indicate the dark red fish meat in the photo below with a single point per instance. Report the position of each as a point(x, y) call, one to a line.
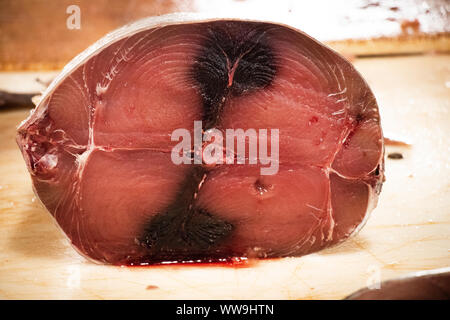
point(99, 145)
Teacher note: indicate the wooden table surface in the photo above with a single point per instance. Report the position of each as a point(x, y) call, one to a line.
point(409, 230)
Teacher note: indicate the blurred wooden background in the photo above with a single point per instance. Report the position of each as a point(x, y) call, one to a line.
point(34, 33)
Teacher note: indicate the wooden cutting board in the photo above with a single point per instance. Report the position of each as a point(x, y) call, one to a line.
point(408, 231)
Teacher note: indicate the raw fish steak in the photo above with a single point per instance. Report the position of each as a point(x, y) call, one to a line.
point(106, 157)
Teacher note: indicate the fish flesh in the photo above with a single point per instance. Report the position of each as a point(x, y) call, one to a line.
point(100, 144)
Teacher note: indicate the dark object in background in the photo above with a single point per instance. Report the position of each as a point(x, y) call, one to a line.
point(395, 155)
point(9, 99)
point(431, 285)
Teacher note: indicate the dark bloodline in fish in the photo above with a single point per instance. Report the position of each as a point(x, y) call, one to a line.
point(232, 63)
point(184, 230)
point(229, 65)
